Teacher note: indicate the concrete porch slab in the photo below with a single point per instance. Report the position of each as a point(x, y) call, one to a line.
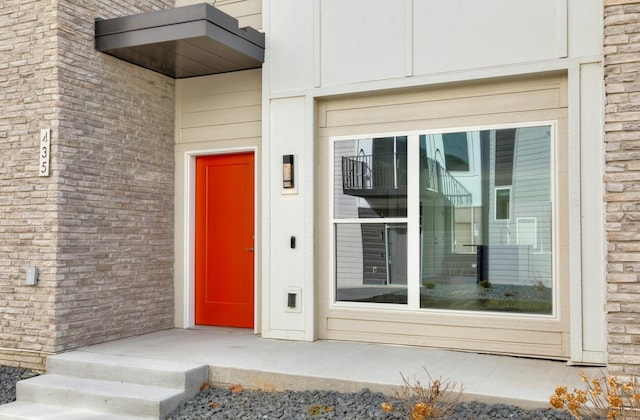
point(237, 356)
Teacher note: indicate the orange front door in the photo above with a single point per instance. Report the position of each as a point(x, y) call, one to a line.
point(224, 240)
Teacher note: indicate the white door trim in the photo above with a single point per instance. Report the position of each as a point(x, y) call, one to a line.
point(189, 230)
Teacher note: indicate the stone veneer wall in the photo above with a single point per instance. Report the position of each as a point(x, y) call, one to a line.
point(28, 101)
point(100, 228)
point(622, 180)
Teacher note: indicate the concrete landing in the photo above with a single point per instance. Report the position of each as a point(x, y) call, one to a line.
point(238, 356)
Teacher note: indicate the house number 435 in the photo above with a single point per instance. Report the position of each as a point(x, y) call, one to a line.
point(45, 151)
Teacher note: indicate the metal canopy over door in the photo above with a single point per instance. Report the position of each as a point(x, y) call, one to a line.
point(224, 240)
point(187, 41)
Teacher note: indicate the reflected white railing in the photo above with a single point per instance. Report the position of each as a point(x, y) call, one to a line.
point(385, 173)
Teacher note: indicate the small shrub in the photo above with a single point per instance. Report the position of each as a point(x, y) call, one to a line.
point(437, 399)
point(485, 284)
point(603, 397)
point(430, 285)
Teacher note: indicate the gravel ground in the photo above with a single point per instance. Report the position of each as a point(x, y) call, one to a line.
point(224, 403)
point(8, 378)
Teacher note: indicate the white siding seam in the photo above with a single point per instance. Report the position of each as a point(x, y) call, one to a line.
point(546, 66)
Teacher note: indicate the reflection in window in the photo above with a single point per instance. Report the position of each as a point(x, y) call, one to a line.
point(371, 262)
point(484, 223)
point(503, 201)
point(370, 182)
point(456, 151)
point(479, 232)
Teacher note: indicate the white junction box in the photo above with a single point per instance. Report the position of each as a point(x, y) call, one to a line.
point(293, 299)
point(32, 276)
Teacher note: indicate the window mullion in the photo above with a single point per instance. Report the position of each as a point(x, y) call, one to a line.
point(413, 222)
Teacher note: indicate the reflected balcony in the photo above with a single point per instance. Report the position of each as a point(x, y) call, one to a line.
point(386, 176)
point(380, 175)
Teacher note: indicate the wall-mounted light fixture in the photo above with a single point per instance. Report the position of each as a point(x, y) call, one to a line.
point(288, 180)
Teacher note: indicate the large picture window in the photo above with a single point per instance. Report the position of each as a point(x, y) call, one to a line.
point(458, 220)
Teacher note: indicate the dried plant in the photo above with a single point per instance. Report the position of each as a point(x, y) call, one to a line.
point(437, 399)
point(453, 272)
point(604, 397)
point(319, 409)
point(386, 407)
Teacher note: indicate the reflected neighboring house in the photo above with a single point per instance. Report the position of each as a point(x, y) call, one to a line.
point(484, 200)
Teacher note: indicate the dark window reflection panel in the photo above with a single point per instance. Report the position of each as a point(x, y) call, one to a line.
point(371, 262)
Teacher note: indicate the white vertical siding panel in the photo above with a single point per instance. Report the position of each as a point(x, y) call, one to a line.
point(468, 34)
point(362, 40)
point(292, 52)
point(592, 212)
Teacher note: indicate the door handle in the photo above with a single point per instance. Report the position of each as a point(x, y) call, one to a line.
point(250, 249)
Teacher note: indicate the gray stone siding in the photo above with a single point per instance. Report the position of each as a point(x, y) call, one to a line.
point(622, 181)
point(28, 204)
point(100, 228)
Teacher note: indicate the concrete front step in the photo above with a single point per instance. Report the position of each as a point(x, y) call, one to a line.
point(136, 370)
point(95, 386)
point(100, 395)
point(21, 410)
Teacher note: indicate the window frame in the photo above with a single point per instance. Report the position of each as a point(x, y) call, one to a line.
point(412, 218)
